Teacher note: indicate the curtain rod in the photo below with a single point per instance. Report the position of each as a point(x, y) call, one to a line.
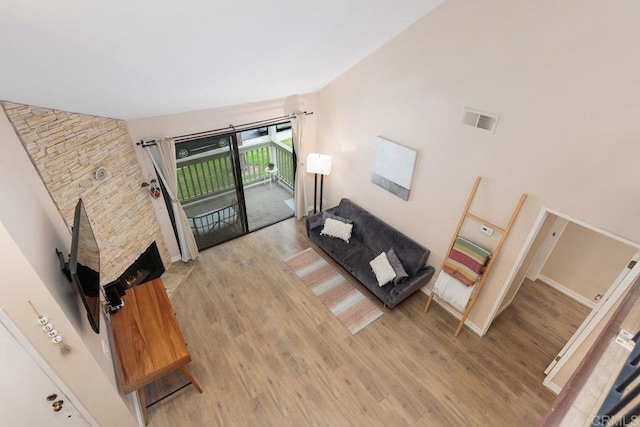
point(230, 128)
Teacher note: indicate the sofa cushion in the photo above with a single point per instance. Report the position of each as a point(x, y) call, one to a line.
point(382, 269)
point(326, 215)
point(357, 263)
point(412, 255)
point(338, 229)
point(338, 249)
point(314, 221)
point(366, 228)
point(396, 264)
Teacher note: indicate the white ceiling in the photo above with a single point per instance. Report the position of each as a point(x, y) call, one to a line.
point(140, 58)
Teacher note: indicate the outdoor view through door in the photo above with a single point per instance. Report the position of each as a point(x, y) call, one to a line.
point(234, 183)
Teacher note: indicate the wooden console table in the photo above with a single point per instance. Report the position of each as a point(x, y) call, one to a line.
point(148, 341)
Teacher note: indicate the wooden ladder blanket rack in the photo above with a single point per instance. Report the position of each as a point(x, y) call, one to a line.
point(504, 232)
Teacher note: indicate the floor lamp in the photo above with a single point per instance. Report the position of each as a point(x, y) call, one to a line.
point(318, 164)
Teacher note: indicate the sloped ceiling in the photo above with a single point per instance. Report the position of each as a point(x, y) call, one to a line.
point(133, 59)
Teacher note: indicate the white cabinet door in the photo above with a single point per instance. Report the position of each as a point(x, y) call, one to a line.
point(25, 389)
point(623, 282)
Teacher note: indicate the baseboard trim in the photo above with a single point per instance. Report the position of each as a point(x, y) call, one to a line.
point(475, 328)
point(568, 292)
point(176, 258)
point(553, 387)
point(505, 306)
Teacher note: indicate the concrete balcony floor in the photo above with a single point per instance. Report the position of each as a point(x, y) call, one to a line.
point(266, 202)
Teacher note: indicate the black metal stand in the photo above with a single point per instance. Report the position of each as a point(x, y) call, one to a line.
point(170, 394)
point(64, 266)
point(321, 182)
point(315, 192)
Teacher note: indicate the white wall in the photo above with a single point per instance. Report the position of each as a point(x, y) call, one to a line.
point(216, 118)
point(562, 77)
point(30, 230)
point(586, 262)
point(527, 262)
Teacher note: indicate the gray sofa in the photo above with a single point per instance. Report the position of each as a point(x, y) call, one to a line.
point(371, 236)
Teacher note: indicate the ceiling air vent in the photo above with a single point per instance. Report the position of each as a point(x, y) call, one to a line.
point(479, 120)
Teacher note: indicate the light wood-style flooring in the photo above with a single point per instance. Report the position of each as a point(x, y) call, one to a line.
point(268, 353)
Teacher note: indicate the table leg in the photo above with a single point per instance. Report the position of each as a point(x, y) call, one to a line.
point(187, 372)
point(143, 404)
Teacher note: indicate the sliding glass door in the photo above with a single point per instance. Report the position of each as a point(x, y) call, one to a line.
point(266, 158)
point(208, 189)
point(234, 183)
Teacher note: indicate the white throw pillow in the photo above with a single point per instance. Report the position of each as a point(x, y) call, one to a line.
point(382, 269)
point(337, 229)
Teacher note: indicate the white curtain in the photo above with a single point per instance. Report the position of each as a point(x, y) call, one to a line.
point(163, 156)
point(300, 194)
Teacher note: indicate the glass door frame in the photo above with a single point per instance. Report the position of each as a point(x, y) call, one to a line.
point(191, 147)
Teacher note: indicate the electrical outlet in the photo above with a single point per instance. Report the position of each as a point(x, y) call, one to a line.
point(486, 230)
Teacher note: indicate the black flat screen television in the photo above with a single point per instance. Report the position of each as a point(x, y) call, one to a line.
point(84, 265)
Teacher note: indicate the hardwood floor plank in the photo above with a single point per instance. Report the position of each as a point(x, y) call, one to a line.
point(267, 352)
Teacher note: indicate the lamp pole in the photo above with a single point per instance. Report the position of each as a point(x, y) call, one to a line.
point(321, 182)
point(318, 164)
point(315, 193)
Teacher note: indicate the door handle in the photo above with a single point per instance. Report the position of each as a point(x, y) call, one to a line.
point(57, 405)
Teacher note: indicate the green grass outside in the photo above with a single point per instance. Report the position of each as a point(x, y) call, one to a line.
point(288, 142)
point(213, 175)
point(258, 157)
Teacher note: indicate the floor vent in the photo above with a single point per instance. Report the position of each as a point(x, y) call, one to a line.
point(480, 120)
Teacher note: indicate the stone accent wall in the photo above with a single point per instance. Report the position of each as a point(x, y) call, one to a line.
point(67, 149)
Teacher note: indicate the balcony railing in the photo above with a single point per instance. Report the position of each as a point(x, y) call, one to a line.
point(206, 175)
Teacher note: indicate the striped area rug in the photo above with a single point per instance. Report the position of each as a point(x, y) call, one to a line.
point(348, 304)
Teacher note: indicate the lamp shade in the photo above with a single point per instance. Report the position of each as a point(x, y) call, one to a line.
point(319, 163)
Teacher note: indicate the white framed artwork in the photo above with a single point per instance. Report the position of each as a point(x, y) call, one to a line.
point(393, 166)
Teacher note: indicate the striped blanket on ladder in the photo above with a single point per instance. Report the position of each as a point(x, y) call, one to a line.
point(460, 272)
point(466, 261)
